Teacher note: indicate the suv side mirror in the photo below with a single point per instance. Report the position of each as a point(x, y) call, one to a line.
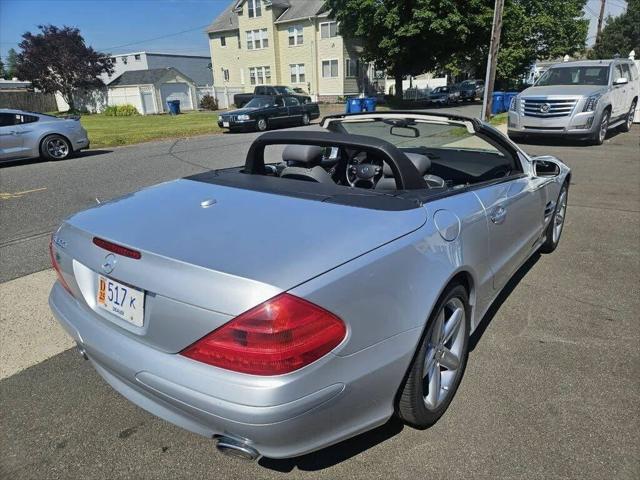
point(544, 168)
point(621, 81)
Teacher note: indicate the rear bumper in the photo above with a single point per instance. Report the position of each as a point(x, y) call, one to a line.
point(282, 416)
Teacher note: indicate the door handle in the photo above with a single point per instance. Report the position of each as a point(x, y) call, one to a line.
point(499, 215)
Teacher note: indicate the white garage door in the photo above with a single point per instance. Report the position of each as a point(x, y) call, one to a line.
point(176, 91)
point(125, 96)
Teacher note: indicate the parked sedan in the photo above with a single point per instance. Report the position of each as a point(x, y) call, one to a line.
point(29, 135)
point(444, 95)
point(279, 308)
point(269, 111)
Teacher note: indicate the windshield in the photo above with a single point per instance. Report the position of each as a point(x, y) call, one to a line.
point(441, 90)
point(597, 75)
point(259, 102)
point(419, 134)
point(468, 83)
point(284, 90)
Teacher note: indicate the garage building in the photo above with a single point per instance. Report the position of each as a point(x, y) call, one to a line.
point(150, 90)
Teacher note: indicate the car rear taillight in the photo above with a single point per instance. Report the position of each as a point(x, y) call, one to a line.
point(278, 336)
point(56, 266)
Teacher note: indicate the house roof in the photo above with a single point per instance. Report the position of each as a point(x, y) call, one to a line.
point(146, 77)
point(295, 10)
point(301, 9)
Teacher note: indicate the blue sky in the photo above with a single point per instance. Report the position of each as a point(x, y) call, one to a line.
point(107, 28)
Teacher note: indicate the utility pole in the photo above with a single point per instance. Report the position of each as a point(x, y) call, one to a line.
point(492, 59)
point(600, 17)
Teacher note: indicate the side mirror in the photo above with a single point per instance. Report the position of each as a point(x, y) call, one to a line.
point(544, 168)
point(621, 81)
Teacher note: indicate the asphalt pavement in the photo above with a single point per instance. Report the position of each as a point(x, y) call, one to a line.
point(552, 388)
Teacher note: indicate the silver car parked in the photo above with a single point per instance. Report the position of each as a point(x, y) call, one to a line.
point(282, 307)
point(30, 135)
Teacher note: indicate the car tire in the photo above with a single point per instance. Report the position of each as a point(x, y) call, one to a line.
point(305, 119)
point(603, 126)
point(626, 126)
point(262, 125)
point(55, 147)
point(556, 224)
point(419, 403)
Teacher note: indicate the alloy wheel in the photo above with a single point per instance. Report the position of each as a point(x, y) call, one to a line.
point(558, 219)
point(57, 148)
point(632, 112)
point(443, 358)
point(604, 124)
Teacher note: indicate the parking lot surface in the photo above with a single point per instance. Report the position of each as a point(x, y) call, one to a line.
point(551, 390)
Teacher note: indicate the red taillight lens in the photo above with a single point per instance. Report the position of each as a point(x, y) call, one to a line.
point(56, 267)
point(115, 248)
point(278, 336)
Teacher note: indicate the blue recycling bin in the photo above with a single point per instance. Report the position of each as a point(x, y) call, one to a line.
point(497, 105)
point(508, 96)
point(370, 104)
point(355, 105)
point(174, 107)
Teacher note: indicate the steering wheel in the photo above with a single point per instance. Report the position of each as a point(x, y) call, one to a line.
point(361, 173)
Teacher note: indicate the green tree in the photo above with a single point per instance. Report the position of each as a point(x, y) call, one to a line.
point(620, 34)
point(3, 73)
point(12, 59)
point(402, 37)
point(58, 60)
point(531, 29)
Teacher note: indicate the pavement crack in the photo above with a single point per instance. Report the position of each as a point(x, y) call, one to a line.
point(180, 159)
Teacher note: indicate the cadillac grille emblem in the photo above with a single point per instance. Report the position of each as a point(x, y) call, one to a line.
point(544, 108)
point(109, 263)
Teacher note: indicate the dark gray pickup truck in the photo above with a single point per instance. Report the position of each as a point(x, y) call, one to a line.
point(269, 111)
point(241, 99)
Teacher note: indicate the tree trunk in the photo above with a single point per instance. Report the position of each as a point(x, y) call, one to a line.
point(68, 97)
point(398, 76)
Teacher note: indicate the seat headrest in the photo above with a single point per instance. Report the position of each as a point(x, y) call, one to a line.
point(307, 155)
point(421, 162)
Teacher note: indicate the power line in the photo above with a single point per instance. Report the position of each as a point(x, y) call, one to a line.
point(156, 38)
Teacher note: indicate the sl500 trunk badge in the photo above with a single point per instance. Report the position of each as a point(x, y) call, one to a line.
point(109, 263)
point(208, 203)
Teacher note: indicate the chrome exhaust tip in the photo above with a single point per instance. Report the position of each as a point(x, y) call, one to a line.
point(82, 351)
point(236, 448)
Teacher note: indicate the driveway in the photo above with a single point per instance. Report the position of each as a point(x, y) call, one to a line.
point(551, 390)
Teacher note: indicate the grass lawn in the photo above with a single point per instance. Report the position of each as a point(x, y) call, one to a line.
point(499, 119)
point(107, 131)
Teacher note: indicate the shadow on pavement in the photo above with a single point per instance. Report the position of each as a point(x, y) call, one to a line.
point(30, 161)
point(500, 299)
point(337, 453)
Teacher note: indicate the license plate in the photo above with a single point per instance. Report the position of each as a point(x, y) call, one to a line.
point(225, 124)
point(123, 301)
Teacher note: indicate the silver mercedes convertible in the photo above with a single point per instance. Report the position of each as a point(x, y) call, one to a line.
point(329, 283)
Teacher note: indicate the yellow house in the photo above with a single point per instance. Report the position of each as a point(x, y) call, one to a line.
point(282, 42)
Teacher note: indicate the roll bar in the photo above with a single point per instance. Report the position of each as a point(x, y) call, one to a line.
point(404, 172)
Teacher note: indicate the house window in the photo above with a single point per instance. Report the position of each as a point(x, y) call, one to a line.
point(257, 39)
point(137, 58)
point(225, 74)
point(351, 67)
point(295, 35)
point(255, 8)
point(297, 73)
point(223, 41)
point(330, 68)
point(260, 75)
point(328, 29)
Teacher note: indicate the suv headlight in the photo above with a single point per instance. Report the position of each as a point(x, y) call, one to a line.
point(243, 117)
point(513, 105)
point(591, 103)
